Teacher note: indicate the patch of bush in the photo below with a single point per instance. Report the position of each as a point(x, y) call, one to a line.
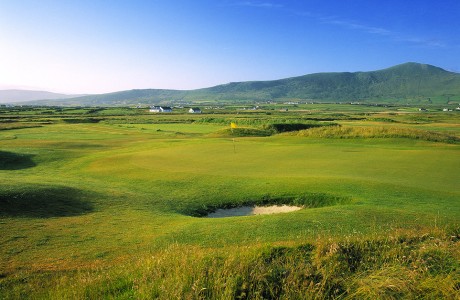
point(242, 132)
point(287, 127)
point(81, 120)
point(13, 126)
point(269, 129)
point(387, 120)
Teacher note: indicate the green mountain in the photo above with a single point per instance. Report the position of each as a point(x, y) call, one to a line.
point(406, 83)
point(409, 83)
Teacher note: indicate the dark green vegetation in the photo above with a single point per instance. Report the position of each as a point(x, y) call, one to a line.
point(409, 83)
point(109, 203)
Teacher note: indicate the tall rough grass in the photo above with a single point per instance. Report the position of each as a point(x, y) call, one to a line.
point(377, 132)
point(404, 265)
point(268, 129)
point(268, 122)
point(241, 132)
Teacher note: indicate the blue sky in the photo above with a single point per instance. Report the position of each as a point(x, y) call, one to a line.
point(98, 46)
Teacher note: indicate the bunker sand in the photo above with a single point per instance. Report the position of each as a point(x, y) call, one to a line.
point(252, 210)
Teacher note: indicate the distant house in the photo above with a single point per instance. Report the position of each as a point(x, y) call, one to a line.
point(165, 109)
point(194, 110)
point(155, 109)
point(160, 109)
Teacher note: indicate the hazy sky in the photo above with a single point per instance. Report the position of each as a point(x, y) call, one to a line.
point(97, 46)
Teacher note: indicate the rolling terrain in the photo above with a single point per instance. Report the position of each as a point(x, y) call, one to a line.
point(110, 203)
point(409, 83)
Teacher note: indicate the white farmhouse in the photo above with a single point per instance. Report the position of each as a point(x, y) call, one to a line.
point(160, 109)
point(194, 110)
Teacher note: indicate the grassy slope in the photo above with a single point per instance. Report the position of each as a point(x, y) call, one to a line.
point(129, 188)
point(407, 83)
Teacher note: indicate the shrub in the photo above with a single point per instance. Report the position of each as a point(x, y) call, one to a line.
point(287, 127)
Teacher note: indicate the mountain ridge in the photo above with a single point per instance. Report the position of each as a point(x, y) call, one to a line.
point(19, 95)
point(408, 83)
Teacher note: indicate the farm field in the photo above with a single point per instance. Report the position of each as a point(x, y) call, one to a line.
point(111, 203)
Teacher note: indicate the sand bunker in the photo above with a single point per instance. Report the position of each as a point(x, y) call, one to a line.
point(252, 210)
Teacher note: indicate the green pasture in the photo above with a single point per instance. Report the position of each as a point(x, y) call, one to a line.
point(86, 197)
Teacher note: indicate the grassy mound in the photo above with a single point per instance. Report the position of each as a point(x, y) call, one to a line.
point(307, 200)
point(15, 161)
point(377, 132)
point(43, 202)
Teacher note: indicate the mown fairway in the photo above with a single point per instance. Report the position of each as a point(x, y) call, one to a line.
point(81, 201)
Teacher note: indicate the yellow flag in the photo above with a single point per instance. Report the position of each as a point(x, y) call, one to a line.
point(233, 125)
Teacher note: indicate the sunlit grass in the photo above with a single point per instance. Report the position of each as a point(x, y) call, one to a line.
point(105, 210)
point(406, 264)
point(378, 132)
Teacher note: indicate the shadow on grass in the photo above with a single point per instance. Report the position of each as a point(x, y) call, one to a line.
point(44, 202)
point(15, 161)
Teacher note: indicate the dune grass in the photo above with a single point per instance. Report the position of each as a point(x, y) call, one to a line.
point(378, 132)
point(406, 264)
point(110, 210)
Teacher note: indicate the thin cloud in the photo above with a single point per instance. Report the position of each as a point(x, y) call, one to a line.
point(431, 43)
point(351, 25)
point(395, 36)
point(355, 26)
point(259, 4)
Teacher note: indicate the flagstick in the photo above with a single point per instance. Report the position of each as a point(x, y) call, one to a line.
point(233, 139)
point(233, 125)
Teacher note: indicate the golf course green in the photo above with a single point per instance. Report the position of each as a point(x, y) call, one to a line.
point(113, 204)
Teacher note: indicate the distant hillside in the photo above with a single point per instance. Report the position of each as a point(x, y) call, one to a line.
point(13, 96)
point(409, 83)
